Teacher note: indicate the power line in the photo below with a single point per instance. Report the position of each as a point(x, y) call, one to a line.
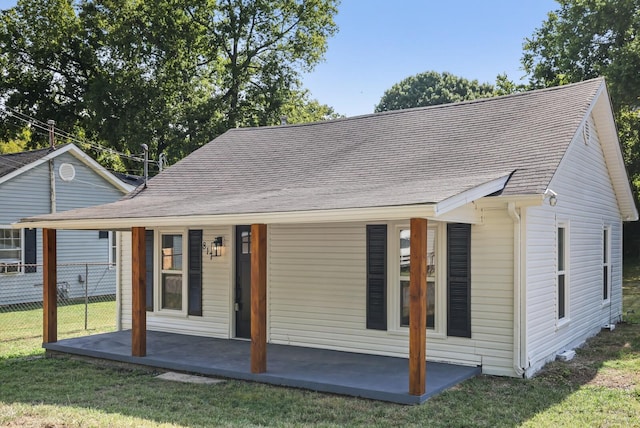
point(66, 135)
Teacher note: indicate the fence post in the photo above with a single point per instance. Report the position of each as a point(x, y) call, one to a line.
point(86, 295)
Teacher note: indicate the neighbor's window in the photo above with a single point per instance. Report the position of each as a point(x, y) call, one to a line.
point(562, 273)
point(171, 284)
point(405, 253)
point(606, 263)
point(10, 250)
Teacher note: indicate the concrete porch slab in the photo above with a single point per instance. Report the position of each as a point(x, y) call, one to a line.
point(346, 373)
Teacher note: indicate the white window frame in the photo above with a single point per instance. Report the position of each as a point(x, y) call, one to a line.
point(20, 261)
point(393, 279)
point(606, 262)
point(562, 224)
point(157, 277)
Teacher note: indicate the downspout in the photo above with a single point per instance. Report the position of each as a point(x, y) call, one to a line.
point(517, 289)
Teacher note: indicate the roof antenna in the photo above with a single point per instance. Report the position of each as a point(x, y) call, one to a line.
point(52, 134)
point(146, 163)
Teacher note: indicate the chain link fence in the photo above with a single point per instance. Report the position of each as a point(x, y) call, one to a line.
point(86, 300)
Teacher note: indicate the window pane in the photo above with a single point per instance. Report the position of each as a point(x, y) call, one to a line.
point(10, 245)
point(561, 248)
point(114, 247)
point(172, 252)
point(172, 291)
point(246, 242)
point(404, 303)
point(431, 304)
point(405, 254)
point(605, 250)
point(561, 302)
point(605, 283)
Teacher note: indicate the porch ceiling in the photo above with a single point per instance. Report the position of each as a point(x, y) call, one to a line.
point(360, 375)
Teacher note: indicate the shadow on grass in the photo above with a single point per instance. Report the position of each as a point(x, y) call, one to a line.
point(75, 386)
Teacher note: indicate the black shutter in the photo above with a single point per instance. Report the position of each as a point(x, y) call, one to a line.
point(459, 280)
point(30, 251)
point(195, 272)
point(148, 236)
point(377, 276)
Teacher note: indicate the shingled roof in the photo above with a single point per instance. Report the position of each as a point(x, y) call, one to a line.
point(13, 161)
point(399, 158)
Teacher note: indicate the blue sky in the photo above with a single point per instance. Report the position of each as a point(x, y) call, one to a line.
point(380, 42)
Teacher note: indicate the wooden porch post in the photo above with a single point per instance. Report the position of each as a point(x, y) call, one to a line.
point(49, 287)
point(258, 298)
point(138, 293)
point(418, 307)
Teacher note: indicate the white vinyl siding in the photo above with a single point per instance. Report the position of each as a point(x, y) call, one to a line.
point(586, 199)
point(317, 285)
point(30, 195)
point(216, 292)
point(316, 294)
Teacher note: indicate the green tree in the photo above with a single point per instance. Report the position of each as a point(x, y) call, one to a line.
point(169, 73)
point(590, 38)
point(585, 39)
point(18, 144)
point(432, 88)
point(300, 108)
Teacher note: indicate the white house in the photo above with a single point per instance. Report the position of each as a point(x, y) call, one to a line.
point(506, 213)
point(48, 181)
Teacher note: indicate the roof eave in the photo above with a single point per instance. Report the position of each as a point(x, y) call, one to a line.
point(471, 195)
point(290, 217)
point(603, 115)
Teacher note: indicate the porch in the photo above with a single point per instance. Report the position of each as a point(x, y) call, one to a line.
point(360, 375)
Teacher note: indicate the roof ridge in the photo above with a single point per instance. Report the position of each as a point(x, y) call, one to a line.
point(432, 107)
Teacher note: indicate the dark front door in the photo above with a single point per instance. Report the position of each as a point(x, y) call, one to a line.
point(243, 281)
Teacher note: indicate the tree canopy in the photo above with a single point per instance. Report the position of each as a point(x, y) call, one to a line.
point(432, 88)
point(589, 38)
point(585, 39)
point(169, 73)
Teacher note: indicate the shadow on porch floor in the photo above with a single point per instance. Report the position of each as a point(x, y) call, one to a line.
point(360, 375)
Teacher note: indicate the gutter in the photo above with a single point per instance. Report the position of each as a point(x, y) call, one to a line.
point(518, 292)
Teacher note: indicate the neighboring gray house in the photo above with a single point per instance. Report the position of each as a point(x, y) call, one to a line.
point(48, 181)
point(507, 210)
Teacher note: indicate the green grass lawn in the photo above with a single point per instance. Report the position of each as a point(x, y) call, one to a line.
point(631, 292)
point(21, 331)
point(600, 387)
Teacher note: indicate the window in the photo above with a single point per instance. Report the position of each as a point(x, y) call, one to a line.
point(403, 278)
point(606, 263)
point(113, 248)
point(174, 271)
point(562, 271)
point(10, 250)
point(171, 272)
point(245, 239)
